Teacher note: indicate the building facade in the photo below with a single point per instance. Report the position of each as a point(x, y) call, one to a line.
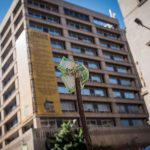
point(35, 35)
point(138, 38)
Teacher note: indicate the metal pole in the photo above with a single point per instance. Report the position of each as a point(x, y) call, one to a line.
point(146, 27)
point(81, 113)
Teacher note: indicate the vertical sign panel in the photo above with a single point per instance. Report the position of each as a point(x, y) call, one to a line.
point(43, 71)
point(24, 78)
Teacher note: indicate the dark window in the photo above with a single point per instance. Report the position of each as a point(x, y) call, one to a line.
point(56, 44)
point(68, 106)
point(76, 14)
point(78, 25)
point(83, 50)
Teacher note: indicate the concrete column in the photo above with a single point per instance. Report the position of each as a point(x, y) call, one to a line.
point(103, 65)
point(36, 123)
point(114, 107)
point(110, 92)
point(117, 121)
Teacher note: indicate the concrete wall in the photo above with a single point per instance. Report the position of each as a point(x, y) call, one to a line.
point(100, 136)
point(138, 37)
point(26, 139)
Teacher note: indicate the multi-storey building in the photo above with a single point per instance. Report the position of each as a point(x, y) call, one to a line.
point(139, 40)
point(35, 35)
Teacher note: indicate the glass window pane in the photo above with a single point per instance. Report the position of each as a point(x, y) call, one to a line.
point(123, 70)
point(95, 77)
point(110, 68)
point(117, 94)
point(88, 107)
point(99, 92)
point(92, 65)
point(68, 106)
point(125, 82)
point(118, 58)
point(125, 122)
point(103, 107)
point(113, 80)
point(62, 90)
point(129, 95)
point(85, 92)
point(137, 122)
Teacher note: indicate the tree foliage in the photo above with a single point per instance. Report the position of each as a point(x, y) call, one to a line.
point(68, 138)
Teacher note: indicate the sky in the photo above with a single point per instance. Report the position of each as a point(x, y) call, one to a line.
point(102, 6)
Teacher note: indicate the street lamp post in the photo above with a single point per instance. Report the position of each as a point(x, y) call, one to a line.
point(74, 76)
point(140, 23)
point(81, 112)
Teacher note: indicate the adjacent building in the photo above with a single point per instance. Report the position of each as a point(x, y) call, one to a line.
point(139, 39)
point(35, 35)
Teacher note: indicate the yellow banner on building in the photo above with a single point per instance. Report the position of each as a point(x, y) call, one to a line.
point(47, 98)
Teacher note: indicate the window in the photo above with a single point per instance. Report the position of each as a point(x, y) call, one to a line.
point(118, 58)
point(110, 67)
point(137, 122)
point(108, 34)
point(121, 108)
point(93, 65)
point(57, 59)
point(121, 69)
point(48, 123)
point(107, 55)
point(9, 91)
point(120, 81)
point(9, 108)
point(79, 26)
point(8, 77)
point(88, 107)
point(103, 23)
point(115, 46)
point(113, 80)
point(11, 124)
point(127, 108)
point(99, 92)
point(45, 17)
point(55, 31)
point(85, 92)
point(129, 95)
point(91, 122)
point(88, 63)
point(58, 44)
point(76, 14)
point(124, 122)
point(134, 109)
point(104, 108)
point(81, 37)
point(96, 77)
point(124, 94)
point(117, 94)
point(110, 45)
point(58, 73)
point(82, 49)
point(115, 68)
point(68, 106)
point(107, 123)
point(62, 89)
point(47, 6)
point(132, 122)
point(7, 50)
point(126, 82)
point(113, 56)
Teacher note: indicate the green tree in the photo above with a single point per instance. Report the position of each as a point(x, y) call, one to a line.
point(68, 138)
